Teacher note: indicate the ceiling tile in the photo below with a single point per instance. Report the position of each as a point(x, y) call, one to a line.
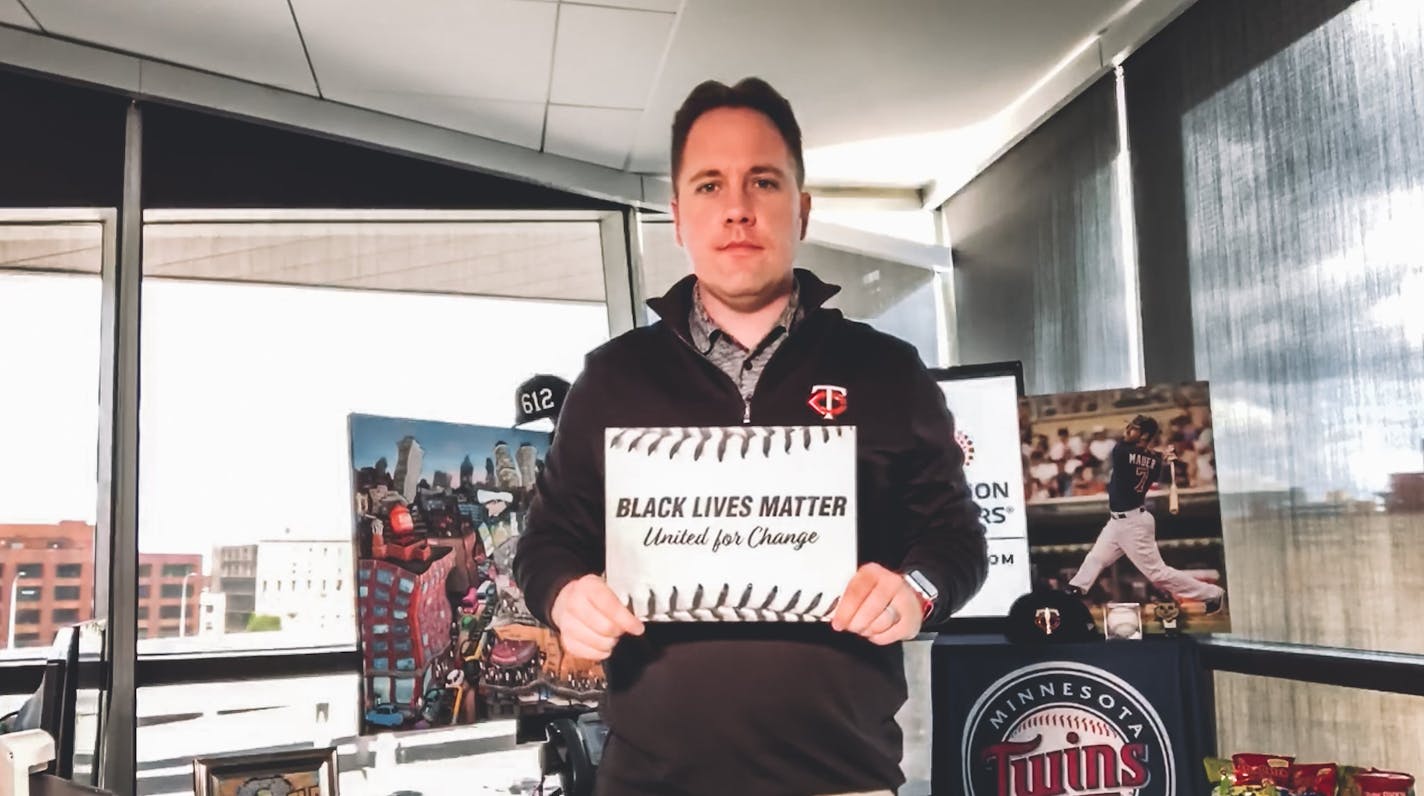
point(668, 6)
point(511, 122)
point(12, 13)
point(857, 71)
point(596, 135)
point(465, 49)
point(607, 57)
point(251, 40)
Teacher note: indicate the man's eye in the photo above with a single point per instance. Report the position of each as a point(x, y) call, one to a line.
point(767, 184)
point(706, 187)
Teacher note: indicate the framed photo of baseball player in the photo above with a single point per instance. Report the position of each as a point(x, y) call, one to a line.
point(1122, 502)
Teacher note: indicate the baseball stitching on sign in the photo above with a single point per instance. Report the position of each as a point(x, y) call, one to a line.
point(740, 442)
point(745, 609)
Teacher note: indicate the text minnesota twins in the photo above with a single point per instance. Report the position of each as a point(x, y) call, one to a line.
point(1105, 703)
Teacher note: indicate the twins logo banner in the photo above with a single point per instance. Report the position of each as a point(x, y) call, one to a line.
point(1063, 729)
point(1082, 719)
point(748, 523)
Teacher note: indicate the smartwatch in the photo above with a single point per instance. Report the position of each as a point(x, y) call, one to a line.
point(922, 587)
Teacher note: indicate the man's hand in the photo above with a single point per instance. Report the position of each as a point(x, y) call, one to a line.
point(590, 619)
point(1171, 453)
point(879, 605)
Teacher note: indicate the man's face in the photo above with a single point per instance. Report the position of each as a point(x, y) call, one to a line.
point(738, 211)
point(1132, 433)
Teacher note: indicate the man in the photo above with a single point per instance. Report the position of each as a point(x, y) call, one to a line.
point(756, 708)
point(1131, 530)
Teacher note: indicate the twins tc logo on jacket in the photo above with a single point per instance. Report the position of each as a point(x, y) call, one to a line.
point(1065, 729)
point(827, 400)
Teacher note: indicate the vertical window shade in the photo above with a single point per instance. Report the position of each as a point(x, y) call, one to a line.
point(1039, 264)
point(1280, 179)
point(1277, 172)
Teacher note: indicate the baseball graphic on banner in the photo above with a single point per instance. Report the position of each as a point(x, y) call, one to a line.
point(747, 523)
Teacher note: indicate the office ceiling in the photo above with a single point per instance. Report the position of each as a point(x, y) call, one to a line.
point(880, 86)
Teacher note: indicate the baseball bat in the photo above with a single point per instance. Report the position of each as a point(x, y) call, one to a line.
point(1172, 490)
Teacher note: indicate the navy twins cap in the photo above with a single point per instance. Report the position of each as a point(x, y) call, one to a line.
point(540, 397)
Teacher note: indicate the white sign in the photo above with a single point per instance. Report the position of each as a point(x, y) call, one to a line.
point(986, 422)
point(747, 523)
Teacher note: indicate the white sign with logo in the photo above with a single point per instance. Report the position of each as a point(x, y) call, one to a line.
point(747, 523)
point(986, 421)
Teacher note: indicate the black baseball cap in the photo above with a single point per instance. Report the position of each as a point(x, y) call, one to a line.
point(542, 396)
point(1050, 617)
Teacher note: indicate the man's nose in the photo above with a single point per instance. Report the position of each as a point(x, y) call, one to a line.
point(739, 209)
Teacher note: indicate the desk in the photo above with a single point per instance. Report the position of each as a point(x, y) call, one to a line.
point(50, 785)
point(1066, 719)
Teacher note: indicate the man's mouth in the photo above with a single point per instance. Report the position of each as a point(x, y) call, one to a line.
point(740, 245)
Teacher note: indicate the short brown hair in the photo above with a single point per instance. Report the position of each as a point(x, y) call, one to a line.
point(750, 92)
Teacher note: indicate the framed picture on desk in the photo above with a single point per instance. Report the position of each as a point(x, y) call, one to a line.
point(302, 772)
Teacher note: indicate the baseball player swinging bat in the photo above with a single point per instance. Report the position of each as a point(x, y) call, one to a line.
point(1131, 530)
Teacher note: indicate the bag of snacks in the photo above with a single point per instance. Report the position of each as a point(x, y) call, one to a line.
point(1314, 779)
point(1373, 782)
point(1259, 769)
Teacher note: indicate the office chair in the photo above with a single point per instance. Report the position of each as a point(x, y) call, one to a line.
point(573, 751)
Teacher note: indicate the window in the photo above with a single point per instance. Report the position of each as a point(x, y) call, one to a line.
point(171, 590)
point(50, 293)
point(1353, 726)
point(405, 690)
point(176, 570)
point(143, 591)
point(27, 639)
point(170, 611)
point(66, 592)
point(1318, 329)
point(1281, 216)
point(472, 280)
point(1042, 271)
point(29, 616)
point(27, 595)
point(65, 615)
point(145, 570)
point(70, 570)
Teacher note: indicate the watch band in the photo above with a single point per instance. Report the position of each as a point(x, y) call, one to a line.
point(924, 590)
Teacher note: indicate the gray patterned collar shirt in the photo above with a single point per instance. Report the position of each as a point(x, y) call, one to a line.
point(744, 366)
